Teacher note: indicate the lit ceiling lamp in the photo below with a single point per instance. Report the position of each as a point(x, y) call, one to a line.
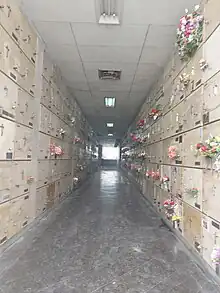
point(109, 102)
point(109, 11)
point(110, 124)
point(110, 134)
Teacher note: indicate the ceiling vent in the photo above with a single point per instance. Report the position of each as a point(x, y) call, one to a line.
point(109, 74)
point(109, 11)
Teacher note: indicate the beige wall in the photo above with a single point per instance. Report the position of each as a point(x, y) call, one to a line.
point(35, 106)
point(189, 117)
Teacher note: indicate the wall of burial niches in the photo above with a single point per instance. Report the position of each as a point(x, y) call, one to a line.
point(39, 125)
point(189, 116)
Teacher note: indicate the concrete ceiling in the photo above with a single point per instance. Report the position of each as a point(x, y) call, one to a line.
point(140, 46)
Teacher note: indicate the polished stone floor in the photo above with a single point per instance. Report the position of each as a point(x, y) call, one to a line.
point(104, 239)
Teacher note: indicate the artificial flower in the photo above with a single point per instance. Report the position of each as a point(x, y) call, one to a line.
point(193, 191)
point(165, 179)
point(172, 152)
point(148, 174)
point(155, 175)
point(210, 148)
point(189, 33)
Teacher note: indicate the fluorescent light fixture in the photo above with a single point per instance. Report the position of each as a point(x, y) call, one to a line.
point(110, 134)
point(109, 11)
point(109, 102)
point(110, 124)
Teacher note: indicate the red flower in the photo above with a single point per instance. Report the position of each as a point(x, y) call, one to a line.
point(141, 122)
point(204, 148)
point(199, 145)
point(154, 111)
point(213, 150)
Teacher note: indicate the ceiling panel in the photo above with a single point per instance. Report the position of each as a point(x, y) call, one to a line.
point(142, 85)
point(140, 47)
point(165, 12)
point(59, 10)
point(78, 86)
point(161, 36)
point(74, 69)
point(155, 55)
point(137, 96)
point(121, 97)
point(105, 86)
point(99, 35)
point(147, 69)
point(55, 32)
point(60, 53)
point(109, 54)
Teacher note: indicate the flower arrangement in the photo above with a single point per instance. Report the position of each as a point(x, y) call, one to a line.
point(134, 137)
point(215, 256)
point(165, 179)
point(193, 191)
point(169, 206)
point(137, 138)
point(168, 203)
point(189, 33)
point(211, 147)
point(155, 112)
point(141, 123)
point(56, 150)
point(172, 152)
point(155, 175)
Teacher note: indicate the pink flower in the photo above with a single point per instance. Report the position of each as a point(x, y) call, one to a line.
point(204, 148)
point(199, 145)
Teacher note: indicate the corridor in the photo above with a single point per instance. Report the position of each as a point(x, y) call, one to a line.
point(103, 239)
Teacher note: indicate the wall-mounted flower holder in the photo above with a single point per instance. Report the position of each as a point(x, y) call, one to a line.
point(62, 132)
point(193, 192)
point(75, 180)
point(203, 64)
point(30, 180)
point(216, 164)
point(189, 33)
point(209, 149)
point(173, 152)
point(184, 80)
point(165, 182)
point(215, 256)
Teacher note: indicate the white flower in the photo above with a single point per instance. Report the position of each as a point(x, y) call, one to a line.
point(197, 7)
point(186, 10)
point(212, 144)
point(190, 38)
